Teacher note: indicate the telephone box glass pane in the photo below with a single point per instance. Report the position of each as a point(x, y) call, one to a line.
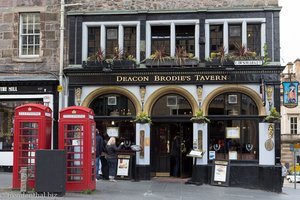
point(28, 138)
point(93, 152)
point(73, 134)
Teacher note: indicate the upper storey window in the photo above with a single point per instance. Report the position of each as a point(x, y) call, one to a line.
point(112, 39)
point(29, 35)
point(171, 35)
point(231, 34)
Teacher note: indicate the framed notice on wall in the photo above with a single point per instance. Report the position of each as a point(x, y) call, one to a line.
point(233, 132)
point(220, 173)
point(112, 131)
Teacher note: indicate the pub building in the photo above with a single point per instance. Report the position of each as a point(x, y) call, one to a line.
point(235, 96)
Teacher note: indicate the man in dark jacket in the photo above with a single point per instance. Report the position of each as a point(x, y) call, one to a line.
point(99, 149)
point(104, 164)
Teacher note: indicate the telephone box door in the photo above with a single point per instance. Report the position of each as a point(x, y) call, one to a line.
point(77, 138)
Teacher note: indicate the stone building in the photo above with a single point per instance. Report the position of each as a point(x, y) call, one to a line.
point(29, 60)
point(290, 134)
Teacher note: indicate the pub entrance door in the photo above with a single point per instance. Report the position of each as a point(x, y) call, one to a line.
point(162, 140)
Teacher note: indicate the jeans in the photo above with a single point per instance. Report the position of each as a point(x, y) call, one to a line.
point(112, 165)
point(97, 166)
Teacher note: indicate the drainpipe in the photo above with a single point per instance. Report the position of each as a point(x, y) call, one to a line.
point(61, 54)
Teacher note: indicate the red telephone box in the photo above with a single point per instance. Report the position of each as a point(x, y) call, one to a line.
point(32, 131)
point(77, 131)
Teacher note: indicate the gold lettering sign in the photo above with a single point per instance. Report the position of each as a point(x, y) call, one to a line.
point(171, 78)
point(132, 78)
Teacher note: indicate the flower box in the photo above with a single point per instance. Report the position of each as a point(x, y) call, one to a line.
point(88, 64)
point(123, 64)
point(169, 62)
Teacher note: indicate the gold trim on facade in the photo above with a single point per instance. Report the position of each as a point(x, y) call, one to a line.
point(112, 89)
point(167, 90)
point(234, 88)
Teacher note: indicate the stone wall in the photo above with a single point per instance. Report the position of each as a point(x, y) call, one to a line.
point(9, 35)
point(105, 5)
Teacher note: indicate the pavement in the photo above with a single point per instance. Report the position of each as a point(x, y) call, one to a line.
point(155, 189)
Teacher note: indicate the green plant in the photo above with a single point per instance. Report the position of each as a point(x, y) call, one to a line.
point(242, 53)
point(159, 55)
point(200, 117)
point(87, 191)
point(143, 117)
point(266, 59)
point(220, 55)
point(181, 55)
point(273, 116)
point(98, 56)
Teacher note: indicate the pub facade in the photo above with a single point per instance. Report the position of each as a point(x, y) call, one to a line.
point(172, 65)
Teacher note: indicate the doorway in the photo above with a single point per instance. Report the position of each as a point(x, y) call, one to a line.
point(162, 157)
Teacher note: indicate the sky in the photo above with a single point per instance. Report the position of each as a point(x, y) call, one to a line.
point(289, 31)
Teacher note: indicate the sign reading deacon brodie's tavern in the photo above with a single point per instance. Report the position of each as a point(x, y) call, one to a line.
point(171, 78)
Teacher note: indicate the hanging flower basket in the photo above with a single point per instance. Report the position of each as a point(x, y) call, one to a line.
point(142, 118)
point(200, 118)
point(273, 117)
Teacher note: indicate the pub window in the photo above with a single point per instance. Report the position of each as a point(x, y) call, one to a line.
point(112, 45)
point(185, 38)
point(216, 38)
point(113, 116)
point(93, 40)
point(29, 34)
point(111, 38)
point(171, 105)
point(235, 37)
point(254, 38)
point(233, 131)
point(293, 125)
point(112, 105)
point(129, 41)
point(233, 33)
point(170, 35)
point(160, 39)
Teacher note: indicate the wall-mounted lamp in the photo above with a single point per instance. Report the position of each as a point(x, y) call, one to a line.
point(113, 123)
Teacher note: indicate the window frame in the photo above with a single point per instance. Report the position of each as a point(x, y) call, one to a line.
point(226, 22)
point(21, 34)
point(103, 26)
point(293, 125)
point(172, 24)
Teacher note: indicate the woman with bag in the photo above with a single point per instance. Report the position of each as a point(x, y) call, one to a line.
point(112, 157)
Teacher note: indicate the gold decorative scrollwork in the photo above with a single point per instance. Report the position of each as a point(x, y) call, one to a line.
point(78, 92)
point(269, 144)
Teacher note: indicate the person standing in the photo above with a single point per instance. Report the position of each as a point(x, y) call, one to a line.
point(104, 164)
point(99, 148)
point(112, 157)
point(175, 155)
point(283, 174)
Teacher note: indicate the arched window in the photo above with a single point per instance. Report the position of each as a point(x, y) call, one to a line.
point(171, 105)
point(233, 131)
point(113, 115)
point(113, 105)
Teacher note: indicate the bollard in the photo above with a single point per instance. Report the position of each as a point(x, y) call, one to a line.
point(24, 177)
